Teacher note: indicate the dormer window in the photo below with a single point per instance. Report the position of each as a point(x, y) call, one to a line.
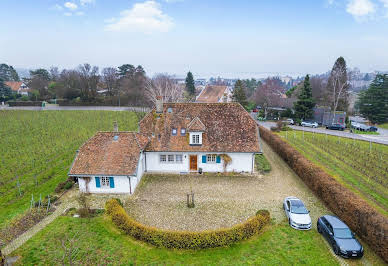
point(183, 131)
point(195, 138)
point(174, 132)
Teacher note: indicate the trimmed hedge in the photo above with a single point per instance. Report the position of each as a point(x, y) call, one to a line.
point(183, 239)
point(25, 103)
point(362, 218)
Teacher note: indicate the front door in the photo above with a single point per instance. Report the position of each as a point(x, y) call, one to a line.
point(193, 163)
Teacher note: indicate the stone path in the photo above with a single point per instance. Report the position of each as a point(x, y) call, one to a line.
point(67, 202)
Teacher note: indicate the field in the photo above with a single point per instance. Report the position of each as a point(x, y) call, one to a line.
point(38, 147)
point(278, 245)
point(359, 165)
point(384, 125)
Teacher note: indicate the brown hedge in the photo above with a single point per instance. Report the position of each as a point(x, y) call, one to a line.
point(184, 239)
point(362, 218)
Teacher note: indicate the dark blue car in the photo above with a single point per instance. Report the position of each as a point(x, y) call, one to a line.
point(340, 237)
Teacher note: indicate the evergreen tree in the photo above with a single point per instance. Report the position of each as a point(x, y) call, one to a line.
point(239, 94)
point(373, 102)
point(190, 86)
point(5, 91)
point(126, 69)
point(8, 73)
point(305, 103)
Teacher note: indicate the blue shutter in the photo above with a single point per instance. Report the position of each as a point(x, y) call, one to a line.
point(111, 182)
point(203, 158)
point(98, 181)
point(218, 160)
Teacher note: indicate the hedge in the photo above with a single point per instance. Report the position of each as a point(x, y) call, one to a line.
point(185, 239)
point(24, 103)
point(362, 218)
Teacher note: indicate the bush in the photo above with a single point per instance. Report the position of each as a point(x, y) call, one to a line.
point(368, 223)
point(262, 164)
point(183, 239)
point(25, 103)
point(66, 185)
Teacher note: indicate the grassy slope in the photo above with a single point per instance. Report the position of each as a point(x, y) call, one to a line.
point(372, 192)
point(278, 245)
point(43, 144)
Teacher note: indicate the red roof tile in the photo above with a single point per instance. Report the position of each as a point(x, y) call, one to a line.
point(211, 94)
point(228, 128)
point(103, 155)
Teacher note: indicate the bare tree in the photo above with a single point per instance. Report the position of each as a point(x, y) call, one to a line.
point(89, 80)
point(163, 85)
point(338, 85)
point(268, 94)
point(110, 79)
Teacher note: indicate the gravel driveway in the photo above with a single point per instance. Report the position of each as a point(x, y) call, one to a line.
point(221, 201)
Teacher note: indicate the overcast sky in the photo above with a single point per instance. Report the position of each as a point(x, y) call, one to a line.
point(209, 37)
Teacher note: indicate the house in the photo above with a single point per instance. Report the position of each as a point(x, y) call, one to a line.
point(215, 94)
point(172, 138)
point(18, 87)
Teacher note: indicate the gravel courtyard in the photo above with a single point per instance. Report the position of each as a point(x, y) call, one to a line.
point(220, 201)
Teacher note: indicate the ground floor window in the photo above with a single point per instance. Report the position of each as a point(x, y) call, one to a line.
point(105, 181)
point(211, 158)
point(171, 158)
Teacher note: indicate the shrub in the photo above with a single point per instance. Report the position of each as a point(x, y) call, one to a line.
point(368, 223)
point(184, 239)
point(262, 164)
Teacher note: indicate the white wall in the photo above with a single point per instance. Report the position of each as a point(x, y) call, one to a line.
point(121, 185)
point(153, 165)
point(241, 162)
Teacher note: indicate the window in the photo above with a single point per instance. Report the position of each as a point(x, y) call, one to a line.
point(174, 132)
point(169, 110)
point(105, 181)
point(178, 158)
point(163, 158)
point(195, 139)
point(171, 158)
point(211, 158)
point(183, 131)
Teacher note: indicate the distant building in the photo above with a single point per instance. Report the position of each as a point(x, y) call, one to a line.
point(18, 87)
point(215, 94)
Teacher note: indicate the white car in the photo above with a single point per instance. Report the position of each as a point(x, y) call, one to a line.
point(309, 124)
point(290, 121)
point(297, 214)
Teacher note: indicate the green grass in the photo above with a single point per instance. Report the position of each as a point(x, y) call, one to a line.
point(42, 144)
point(359, 165)
point(99, 242)
point(262, 164)
point(384, 125)
point(365, 132)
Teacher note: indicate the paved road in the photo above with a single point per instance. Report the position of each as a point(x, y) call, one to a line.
point(81, 108)
point(382, 138)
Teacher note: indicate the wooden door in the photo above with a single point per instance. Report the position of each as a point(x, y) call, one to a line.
point(193, 163)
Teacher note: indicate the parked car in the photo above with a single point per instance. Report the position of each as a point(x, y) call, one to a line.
point(297, 214)
point(340, 237)
point(360, 126)
point(373, 129)
point(336, 127)
point(289, 121)
point(309, 124)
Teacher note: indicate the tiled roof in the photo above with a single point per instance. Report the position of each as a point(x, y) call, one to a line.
point(103, 155)
point(211, 94)
point(14, 85)
point(196, 125)
point(228, 128)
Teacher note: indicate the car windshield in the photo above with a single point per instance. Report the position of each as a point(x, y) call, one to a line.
point(297, 207)
point(342, 233)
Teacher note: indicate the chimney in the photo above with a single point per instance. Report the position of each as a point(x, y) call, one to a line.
point(225, 98)
point(115, 127)
point(159, 104)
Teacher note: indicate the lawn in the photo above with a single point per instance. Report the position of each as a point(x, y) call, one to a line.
point(384, 125)
point(278, 245)
point(359, 165)
point(38, 147)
